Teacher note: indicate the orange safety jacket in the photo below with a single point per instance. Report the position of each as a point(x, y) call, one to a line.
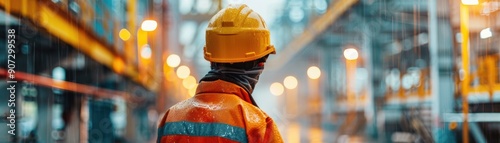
point(219, 112)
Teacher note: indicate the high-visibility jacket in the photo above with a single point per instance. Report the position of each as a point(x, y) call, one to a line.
point(219, 112)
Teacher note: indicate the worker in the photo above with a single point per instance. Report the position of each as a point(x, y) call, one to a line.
point(237, 45)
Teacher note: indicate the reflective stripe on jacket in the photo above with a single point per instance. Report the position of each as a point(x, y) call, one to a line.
point(219, 112)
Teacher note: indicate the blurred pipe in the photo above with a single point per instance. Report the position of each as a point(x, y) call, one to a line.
point(131, 26)
point(70, 86)
point(464, 30)
point(473, 117)
point(335, 10)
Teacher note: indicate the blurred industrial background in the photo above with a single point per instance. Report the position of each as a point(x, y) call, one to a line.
point(345, 70)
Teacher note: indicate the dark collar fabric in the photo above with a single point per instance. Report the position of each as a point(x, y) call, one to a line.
point(245, 78)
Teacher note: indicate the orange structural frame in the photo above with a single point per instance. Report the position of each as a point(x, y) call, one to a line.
point(62, 25)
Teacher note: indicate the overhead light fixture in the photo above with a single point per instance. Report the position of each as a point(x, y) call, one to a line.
point(351, 54)
point(486, 33)
point(149, 25)
point(470, 2)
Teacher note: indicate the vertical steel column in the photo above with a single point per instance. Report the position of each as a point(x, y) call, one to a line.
point(441, 62)
point(329, 100)
point(370, 107)
point(434, 66)
point(45, 100)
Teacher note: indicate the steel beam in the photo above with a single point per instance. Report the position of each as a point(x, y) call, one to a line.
point(472, 117)
point(335, 10)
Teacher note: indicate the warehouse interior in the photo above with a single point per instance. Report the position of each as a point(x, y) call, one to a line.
point(344, 70)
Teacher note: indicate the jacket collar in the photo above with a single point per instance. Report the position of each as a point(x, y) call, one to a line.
point(220, 86)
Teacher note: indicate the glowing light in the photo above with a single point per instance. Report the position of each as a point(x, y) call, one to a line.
point(185, 6)
point(59, 74)
point(124, 34)
point(290, 82)
point(173, 60)
point(203, 6)
point(277, 89)
point(149, 25)
point(351, 54)
point(296, 14)
point(183, 72)
point(407, 81)
point(320, 5)
point(313, 72)
point(235, 1)
point(192, 91)
point(458, 37)
point(393, 80)
point(146, 52)
point(189, 82)
point(470, 2)
point(486, 33)
point(453, 125)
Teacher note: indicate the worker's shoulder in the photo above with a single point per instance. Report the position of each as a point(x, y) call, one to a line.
point(218, 101)
point(209, 99)
point(248, 110)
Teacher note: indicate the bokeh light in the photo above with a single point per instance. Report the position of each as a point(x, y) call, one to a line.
point(124, 34)
point(146, 52)
point(313, 72)
point(183, 72)
point(290, 82)
point(59, 74)
point(189, 82)
point(192, 91)
point(277, 89)
point(351, 54)
point(149, 25)
point(173, 60)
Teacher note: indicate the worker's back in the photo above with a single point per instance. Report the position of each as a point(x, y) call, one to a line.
point(217, 113)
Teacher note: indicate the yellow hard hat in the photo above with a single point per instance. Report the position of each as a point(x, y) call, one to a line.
point(237, 34)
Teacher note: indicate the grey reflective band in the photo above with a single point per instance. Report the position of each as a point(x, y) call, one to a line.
point(203, 129)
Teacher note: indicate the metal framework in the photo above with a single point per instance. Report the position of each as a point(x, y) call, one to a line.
point(61, 25)
point(316, 28)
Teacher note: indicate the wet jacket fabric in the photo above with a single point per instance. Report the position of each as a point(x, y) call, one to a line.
point(219, 112)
